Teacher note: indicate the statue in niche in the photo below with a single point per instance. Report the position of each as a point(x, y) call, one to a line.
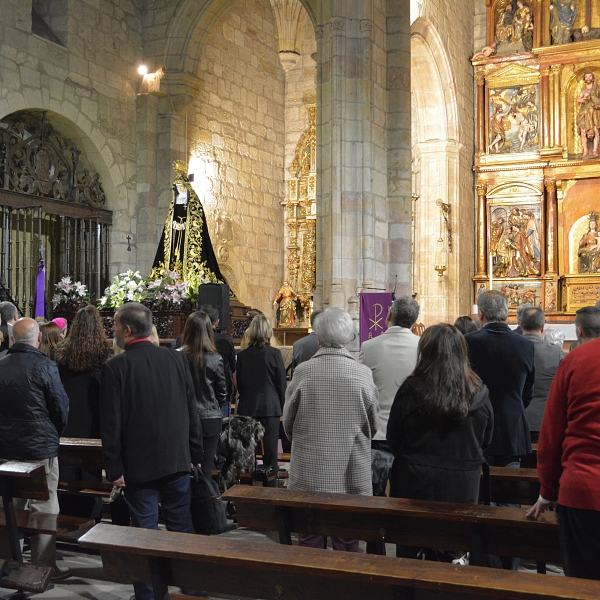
point(562, 17)
point(520, 20)
point(588, 115)
point(528, 33)
point(589, 247)
point(287, 305)
point(185, 245)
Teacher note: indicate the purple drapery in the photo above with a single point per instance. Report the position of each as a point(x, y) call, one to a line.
point(373, 312)
point(40, 290)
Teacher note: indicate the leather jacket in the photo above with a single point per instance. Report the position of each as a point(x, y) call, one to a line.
point(33, 405)
point(209, 384)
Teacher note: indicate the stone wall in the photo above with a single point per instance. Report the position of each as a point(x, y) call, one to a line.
point(236, 137)
point(89, 90)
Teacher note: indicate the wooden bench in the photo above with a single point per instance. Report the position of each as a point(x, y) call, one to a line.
point(27, 480)
point(530, 461)
point(264, 570)
point(479, 529)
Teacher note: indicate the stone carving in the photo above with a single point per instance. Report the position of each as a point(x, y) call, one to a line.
point(43, 163)
point(287, 16)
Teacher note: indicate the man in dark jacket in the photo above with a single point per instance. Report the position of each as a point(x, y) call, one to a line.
point(547, 357)
point(149, 427)
point(33, 413)
point(505, 362)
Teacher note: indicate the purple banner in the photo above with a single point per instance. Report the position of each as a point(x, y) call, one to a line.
point(40, 290)
point(373, 312)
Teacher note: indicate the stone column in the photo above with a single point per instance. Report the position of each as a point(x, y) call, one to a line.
point(354, 218)
point(551, 226)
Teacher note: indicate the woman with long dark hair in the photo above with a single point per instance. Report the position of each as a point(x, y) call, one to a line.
point(261, 383)
point(79, 357)
point(440, 423)
point(208, 373)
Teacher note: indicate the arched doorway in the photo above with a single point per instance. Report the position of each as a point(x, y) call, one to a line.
point(444, 202)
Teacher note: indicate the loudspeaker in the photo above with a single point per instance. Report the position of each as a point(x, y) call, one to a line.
point(217, 295)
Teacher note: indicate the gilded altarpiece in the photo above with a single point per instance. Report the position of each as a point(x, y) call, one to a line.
point(538, 154)
point(300, 220)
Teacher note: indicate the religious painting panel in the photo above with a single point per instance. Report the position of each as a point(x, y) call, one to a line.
point(520, 292)
point(515, 240)
point(513, 122)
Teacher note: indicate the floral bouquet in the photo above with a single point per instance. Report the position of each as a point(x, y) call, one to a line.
point(167, 292)
point(69, 292)
point(126, 287)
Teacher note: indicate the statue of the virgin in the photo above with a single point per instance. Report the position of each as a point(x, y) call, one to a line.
point(185, 245)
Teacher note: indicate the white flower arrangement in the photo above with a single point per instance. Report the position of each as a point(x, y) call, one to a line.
point(67, 290)
point(126, 287)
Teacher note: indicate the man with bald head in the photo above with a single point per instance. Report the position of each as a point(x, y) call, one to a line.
point(33, 413)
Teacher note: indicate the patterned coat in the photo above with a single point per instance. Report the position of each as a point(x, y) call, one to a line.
point(330, 415)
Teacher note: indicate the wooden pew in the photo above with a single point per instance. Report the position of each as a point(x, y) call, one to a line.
point(264, 570)
point(530, 461)
point(85, 453)
point(26, 480)
point(479, 529)
point(509, 486)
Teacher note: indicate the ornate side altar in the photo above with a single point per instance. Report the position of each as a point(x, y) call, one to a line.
point(537, 163)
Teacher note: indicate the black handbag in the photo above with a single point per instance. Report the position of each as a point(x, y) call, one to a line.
point(208, 511)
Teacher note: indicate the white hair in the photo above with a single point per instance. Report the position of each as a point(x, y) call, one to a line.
point(334, 328)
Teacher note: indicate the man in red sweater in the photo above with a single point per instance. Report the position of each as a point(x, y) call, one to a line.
point(568, 459)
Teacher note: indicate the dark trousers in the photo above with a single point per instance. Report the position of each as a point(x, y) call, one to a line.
point(173, 493)
point(580, 542)
point(210, 448)
point(271, 425)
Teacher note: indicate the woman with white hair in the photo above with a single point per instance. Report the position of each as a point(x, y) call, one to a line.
point(330, 415)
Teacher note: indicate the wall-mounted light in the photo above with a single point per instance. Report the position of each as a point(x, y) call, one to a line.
point(442, 248)
point(143, 70)
point(150, 81)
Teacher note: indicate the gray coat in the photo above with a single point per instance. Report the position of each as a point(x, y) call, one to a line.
point(546, 357)
point(330, 416)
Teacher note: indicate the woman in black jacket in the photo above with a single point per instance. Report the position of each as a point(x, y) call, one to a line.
point(208, 373)
point(261, 383)
point(79, 358)
point(440, 423)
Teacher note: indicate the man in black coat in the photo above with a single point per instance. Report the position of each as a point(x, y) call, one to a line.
point(505, 362)
point(149, 426)
point(33, 413)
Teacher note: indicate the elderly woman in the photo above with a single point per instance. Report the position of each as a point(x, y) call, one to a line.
point(330, 415)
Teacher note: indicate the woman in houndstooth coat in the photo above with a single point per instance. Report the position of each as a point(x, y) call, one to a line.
point(330, 415)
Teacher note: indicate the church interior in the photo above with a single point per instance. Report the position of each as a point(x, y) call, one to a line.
point(341, 147)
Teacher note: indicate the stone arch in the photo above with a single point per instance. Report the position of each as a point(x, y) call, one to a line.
point(189, 28)
point(436, 164)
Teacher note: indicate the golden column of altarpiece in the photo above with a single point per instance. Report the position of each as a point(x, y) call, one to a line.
point(537, 163)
